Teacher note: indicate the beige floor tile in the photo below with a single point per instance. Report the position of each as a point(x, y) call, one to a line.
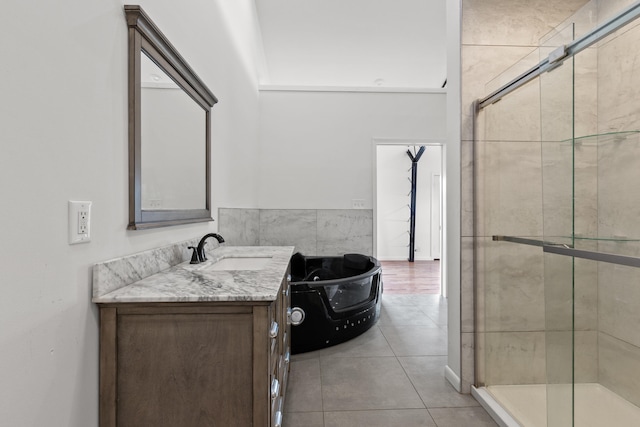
point(361, 383)
point(430, 300)
point(387, 376)
point(427, 375)
point(304, 391)
point(303, 419)
point(415, 340)
point(386, 418)
point(435, 313)
point(398, 299)
point(462, 417)
point(392, 314)
point(371, 343)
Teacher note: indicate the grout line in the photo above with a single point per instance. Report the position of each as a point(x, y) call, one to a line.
point(412, 384)
point(321, 388)
point(385, 338)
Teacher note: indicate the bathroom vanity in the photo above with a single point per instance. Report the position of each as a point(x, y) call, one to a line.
point(197, 344)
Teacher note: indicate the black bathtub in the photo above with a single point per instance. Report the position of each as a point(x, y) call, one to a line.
point(333, 299)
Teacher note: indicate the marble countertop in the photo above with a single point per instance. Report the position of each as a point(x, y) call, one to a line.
point(187, 282)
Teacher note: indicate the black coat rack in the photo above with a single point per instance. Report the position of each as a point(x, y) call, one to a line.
point(415, 157)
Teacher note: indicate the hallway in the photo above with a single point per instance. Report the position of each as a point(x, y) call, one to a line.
point(392, 375)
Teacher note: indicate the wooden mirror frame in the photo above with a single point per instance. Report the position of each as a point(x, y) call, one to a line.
point(145, 35)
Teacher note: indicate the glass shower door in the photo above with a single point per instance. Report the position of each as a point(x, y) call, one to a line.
point(557, 133)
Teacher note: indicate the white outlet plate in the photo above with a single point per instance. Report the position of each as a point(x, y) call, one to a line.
point(79, 222)
point(357, 203)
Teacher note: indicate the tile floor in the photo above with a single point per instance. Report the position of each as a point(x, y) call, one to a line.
point(392, 375)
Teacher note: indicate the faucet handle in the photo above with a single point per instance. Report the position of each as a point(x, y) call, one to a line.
point(194, 255)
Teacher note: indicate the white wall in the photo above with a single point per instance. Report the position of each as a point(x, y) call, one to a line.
point(317, 149)
point(63, 117)
point(393, 170)
point(452, 195)
point(399, 43)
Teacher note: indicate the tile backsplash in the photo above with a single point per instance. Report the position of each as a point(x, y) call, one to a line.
point(311, 231)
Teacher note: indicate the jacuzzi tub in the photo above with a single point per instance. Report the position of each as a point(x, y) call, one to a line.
point(333, 299)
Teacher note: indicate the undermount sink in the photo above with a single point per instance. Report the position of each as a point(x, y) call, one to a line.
point(240, 263)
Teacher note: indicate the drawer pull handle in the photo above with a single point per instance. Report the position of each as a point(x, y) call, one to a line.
point(278, 419)
point(275, 388)
point(273, 332)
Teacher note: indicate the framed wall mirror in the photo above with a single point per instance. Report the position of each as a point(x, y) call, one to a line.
point(169, 131)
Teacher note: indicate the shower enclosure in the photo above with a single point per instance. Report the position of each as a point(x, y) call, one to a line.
point(557, 229)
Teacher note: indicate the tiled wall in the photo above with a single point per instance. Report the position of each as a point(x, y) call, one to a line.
point(524, 298)
point(510, 341)
point(618, 211)
point(311, 231)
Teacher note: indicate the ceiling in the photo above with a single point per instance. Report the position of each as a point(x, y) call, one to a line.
point(355, 43)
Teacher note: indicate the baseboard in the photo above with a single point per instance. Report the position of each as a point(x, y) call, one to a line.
point(453, 378)
point(493, 408)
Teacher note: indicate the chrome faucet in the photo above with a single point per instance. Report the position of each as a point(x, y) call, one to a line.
point(200, 249)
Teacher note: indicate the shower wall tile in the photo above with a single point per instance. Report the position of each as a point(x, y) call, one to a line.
point(586, 92)
point(479, 187)
point(586, 197)
point(557, 188)
point(515, 358)
point(514, 288)
point(586, 356)
point(466, 284)
point(345, 231)
point(619, 299)
point(513, 22)
point(480, 64)
point(619, 367)
point(513, 189)
point(466, 189)
point(608, 8)
point(481, 245)
point(556, 100)
point(480, 366)
point(467, 362)
point(559, 354)
point(585, 295)
point(571, 293)
point(289, 227)
point(566, 169)
point(516, 117)
point(619, 83)
point(239, 227)
point(618, 207)
point(509, 278)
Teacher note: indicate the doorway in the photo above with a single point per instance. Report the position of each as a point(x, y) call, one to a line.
point(392, 202)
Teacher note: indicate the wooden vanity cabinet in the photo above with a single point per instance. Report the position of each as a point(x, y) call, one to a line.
point(194, 364)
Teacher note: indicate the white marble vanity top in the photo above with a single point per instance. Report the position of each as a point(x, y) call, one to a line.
point(187, 282)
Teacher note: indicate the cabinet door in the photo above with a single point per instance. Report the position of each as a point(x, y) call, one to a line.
point(187, 370)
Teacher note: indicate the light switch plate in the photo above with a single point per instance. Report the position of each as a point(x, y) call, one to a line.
point(79, 222)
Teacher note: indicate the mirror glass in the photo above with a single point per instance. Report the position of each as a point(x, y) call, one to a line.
point(173, 143)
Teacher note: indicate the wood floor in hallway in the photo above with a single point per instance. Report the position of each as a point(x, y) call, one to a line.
point(404, 277)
